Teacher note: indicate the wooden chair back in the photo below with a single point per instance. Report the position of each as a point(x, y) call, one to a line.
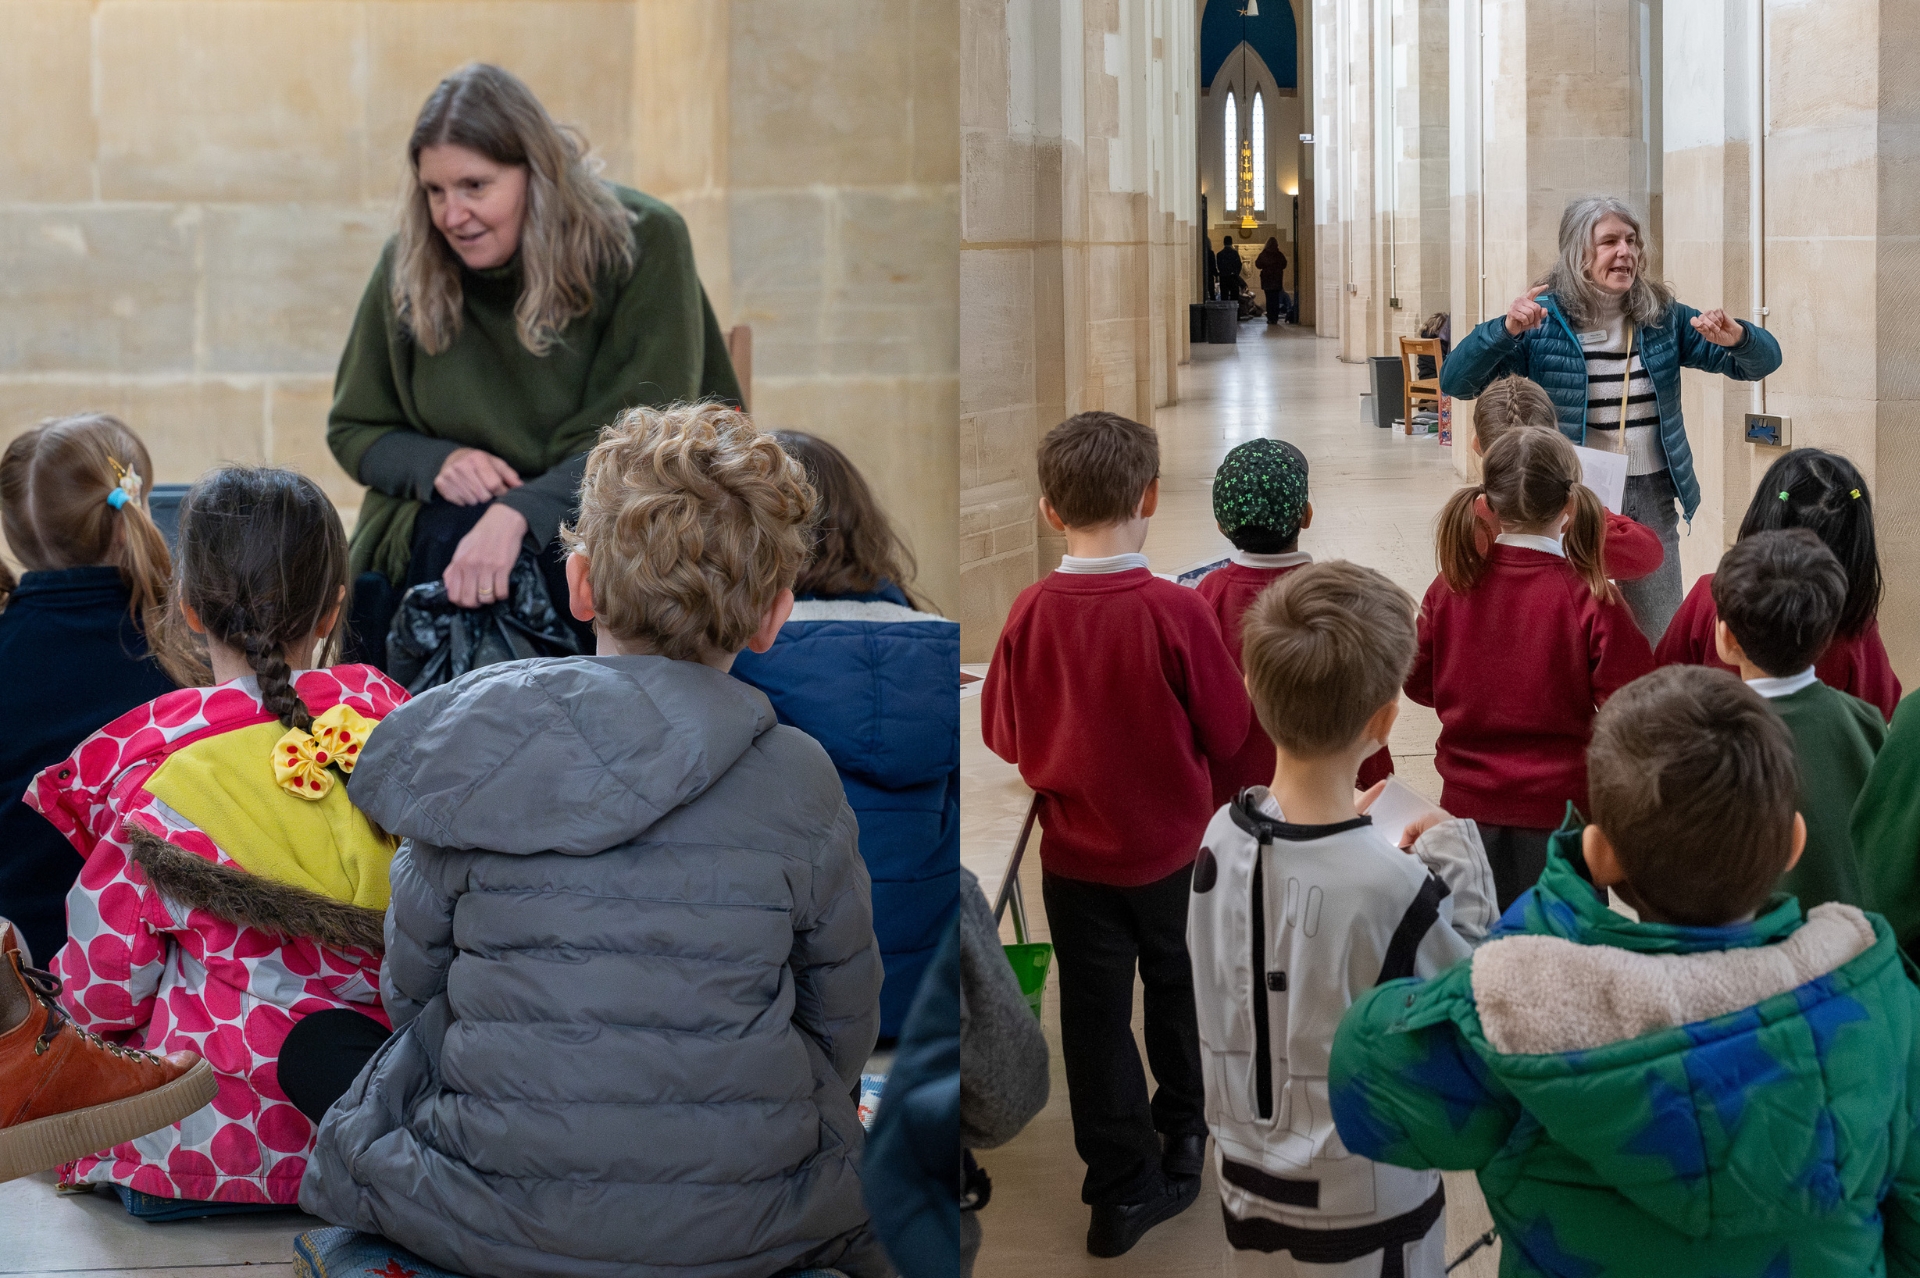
point(1420, 389)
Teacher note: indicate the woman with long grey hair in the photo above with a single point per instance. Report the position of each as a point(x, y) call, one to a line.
point(522, 306)
point(1608, 343)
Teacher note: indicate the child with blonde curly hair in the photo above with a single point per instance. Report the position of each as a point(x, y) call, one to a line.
point(631, 961)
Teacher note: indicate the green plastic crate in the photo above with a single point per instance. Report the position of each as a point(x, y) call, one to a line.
point(1030, 963)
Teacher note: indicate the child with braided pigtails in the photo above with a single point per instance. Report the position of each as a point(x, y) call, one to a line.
point(230, 888)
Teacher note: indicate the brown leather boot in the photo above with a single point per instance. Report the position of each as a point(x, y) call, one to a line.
point(65, 1093)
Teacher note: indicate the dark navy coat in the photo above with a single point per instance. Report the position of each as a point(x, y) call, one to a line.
point(1552, 356)
point(878, 685)
point(79, 662)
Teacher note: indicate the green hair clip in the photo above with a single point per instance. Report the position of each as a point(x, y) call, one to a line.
point(1856, 494)
point(1783, 496)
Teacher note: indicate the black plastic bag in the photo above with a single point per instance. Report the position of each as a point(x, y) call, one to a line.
point(434, 641)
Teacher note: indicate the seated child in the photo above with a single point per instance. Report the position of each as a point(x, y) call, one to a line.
point(1113, 691)
point(866, 670)
point(1307, 906)
point(73, 505)
point(633, 968)
point(1630, 550)
point(1809, 488)
point(1260, 505)
point(1778, 596)
point(230, 886)
point(1725, 1087)
point(1520, 641)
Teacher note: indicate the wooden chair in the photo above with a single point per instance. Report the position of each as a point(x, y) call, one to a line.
point(1419, 389)
point(740, 351)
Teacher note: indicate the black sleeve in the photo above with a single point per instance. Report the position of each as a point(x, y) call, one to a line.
point(548, 500)
point(403, 463)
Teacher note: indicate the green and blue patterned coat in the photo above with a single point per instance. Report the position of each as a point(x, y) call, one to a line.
point(1642, 1099)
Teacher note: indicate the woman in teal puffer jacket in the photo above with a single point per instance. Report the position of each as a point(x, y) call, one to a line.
point(1606, 341)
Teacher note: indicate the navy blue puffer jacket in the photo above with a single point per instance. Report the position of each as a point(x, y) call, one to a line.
point(878, 685)
point(1552, 356)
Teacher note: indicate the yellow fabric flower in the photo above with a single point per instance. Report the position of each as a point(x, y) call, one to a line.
point(342, 733)
point(300, 765)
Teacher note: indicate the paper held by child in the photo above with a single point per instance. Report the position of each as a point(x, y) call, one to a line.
point(1606, 474)
point(1398, 807)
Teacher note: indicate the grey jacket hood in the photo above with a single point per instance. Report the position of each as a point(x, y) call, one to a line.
point(572, 756)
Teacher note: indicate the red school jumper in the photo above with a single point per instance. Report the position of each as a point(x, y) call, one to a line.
point(1516, 668)
point(1855, 664)
point(1231, 591)
point(1112, 691)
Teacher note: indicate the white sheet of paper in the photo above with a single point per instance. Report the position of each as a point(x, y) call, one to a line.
point(1606, 474)
point(1397, 808)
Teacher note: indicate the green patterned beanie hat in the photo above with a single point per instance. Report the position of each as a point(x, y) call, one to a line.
point(1261, 484)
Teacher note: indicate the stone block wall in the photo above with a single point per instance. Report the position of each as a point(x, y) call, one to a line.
point(197, 190)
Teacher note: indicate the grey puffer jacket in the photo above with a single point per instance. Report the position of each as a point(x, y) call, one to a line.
point(631, 959)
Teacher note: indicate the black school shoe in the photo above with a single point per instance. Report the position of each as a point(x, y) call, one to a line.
point(1183, 1156)
point(1116, 1229)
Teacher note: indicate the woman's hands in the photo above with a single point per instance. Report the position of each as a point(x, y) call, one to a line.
point(1718, 329)
point(1526, 313)
point(470, 476)
point(478, 573)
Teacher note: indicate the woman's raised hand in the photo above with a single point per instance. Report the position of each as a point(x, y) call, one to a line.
point(477, 574)
point(470, 476)
point(1526, 313)
point(1718, 329)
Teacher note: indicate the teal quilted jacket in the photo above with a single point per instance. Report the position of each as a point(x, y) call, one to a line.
point(1641, 1099)
point(1552, 356)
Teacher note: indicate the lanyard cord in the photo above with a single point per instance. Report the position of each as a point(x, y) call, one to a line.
point(1626, 386)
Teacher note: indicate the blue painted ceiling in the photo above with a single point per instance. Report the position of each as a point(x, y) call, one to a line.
point(1271, 35)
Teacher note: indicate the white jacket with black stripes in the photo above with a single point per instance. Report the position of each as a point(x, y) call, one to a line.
point(1288, 925)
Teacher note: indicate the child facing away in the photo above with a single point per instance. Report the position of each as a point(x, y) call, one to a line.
point(1260, 505)
point(1726, 1087)
point(632, 961)
point(1113, 691)
point(868, 672)
point(1778, 596)
point(1809, 488)
point(230, 886)
point(73, 629)
point(1520, 642)
point(1300, 907)
point(1629, 549)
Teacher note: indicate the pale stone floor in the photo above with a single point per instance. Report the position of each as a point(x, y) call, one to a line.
point(1375, 495)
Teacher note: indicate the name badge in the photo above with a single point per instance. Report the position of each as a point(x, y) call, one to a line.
point(1598, 337)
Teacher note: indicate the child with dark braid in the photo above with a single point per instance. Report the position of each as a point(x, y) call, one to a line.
point(230, 888)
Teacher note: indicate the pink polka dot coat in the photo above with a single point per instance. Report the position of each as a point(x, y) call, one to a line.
point(147, 972)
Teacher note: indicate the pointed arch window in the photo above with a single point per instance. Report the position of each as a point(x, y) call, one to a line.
point(1259, 138)
point(1232, 169)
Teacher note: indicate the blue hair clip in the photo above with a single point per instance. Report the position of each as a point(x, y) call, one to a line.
point(118, 498)
point(128, 486)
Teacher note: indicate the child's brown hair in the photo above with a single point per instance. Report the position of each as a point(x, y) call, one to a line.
point(1510, 402)
point(1324, 648)
point(60, 505)
point(855, 548)
point(262, 560)
point(1780, 593)
point(1095, 467)
point(693, 521)
point(1694, 781)
point(1526, 477)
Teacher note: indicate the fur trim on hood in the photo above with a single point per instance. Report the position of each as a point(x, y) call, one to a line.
point(251, 900)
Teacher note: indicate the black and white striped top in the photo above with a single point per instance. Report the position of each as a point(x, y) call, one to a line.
point(1607, 365)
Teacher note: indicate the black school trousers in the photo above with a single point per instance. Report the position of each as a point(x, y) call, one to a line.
point(1516, 855)
point(1100, 935)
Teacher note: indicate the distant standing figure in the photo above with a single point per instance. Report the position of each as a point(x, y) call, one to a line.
point(1272, 265)
point(1232, 278)
point(1604, 340)
point(524, 303)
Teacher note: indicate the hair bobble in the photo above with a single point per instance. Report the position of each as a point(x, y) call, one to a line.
point(1783, 495)
point(1856, 494)
point(127, 487)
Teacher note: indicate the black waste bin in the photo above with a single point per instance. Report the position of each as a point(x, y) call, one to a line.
point(163, 503)
point(1389, 389)
point(1197, 322)
point(1223, 322)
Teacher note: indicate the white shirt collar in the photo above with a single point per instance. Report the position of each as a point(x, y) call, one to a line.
point(1289, 559)
point(1107, 563)
point(1784, 686)
point(1532, 541)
